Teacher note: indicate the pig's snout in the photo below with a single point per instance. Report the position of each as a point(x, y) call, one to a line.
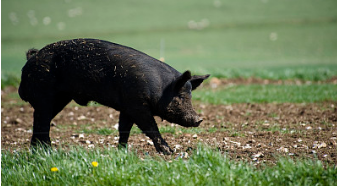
point(197, 121)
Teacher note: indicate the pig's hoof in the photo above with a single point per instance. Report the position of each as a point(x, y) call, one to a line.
point(36, 143)
point(166, 150)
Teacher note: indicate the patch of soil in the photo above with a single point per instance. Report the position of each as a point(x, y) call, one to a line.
point(251, 132)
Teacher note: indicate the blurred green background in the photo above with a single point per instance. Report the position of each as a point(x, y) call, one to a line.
point(276, 39)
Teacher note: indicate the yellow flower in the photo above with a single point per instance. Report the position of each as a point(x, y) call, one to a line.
point(54, 169)
point(94, 163)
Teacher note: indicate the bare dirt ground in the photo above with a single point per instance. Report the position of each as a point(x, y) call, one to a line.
point(250, 132)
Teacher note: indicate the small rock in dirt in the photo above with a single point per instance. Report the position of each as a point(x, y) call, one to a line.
point(333, 141)
point(177, 146)
point(313, 152)
point(116, 126)
point(195, 136)
point(247, 146)
point(53, 124)
point(322, 145)
point(282, 149)
point(88, 142)
point(81, 118)
point(111, 116)
point(22, 109)
point(308, 128)
point(319, 145)
point(70, 113)
point(265, 125)
point(299, 140)
point(258, 155)
point(81, 135)
point(91, 146)
point(17, 121)
point(20, 129)
point(238, 144)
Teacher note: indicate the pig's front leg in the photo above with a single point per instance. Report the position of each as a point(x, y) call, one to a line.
point(149, 126)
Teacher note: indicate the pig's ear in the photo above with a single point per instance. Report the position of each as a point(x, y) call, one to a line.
point(197, 80)
point(181, 80)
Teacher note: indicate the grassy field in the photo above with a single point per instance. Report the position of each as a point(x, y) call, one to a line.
point(268, 94)
point(203, 167)
point(268, 39)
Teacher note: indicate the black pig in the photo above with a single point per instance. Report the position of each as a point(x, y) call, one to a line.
point(117, 76)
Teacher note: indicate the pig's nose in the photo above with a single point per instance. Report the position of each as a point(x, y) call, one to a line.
point(198, 122)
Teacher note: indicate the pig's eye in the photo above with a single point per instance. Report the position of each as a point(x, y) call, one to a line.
point(184, 96)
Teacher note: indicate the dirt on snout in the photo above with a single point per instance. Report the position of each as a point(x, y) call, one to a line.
point(251, 132)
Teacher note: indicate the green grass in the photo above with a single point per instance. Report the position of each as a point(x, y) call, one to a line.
point(203, 167)
point(268, 93)
point(87, 129)
point(269, 39)
point(175, 130)
point(10, 79)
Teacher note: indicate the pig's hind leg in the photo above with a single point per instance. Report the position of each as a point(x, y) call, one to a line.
point(124, 127)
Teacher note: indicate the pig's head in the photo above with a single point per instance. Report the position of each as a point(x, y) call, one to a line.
point(178, 100)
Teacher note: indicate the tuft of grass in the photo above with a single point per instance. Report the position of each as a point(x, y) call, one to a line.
point(106, 131)
point(113, 167)
point(167, 129)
